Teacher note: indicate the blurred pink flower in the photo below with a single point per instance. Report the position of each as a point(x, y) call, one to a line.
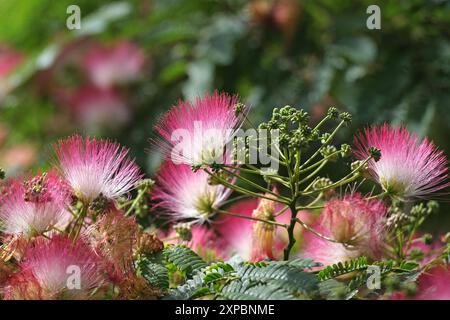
point(18, 157)
point(409, 167)
point(196, 133)
point(205, 241)
point(355, 222)
point(429, 251)
point(185, 194)
point(47, 267)
point(433, 284)
point(95, 108)
point(96, 167)
point(119, 63)
point(249, 239)
point(36, 206)
point(9, 60)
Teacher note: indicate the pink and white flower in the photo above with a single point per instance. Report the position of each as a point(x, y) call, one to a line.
point(96, 167)
point(36, 206)
point(119, 63)
point(355, 224)
point(409, 167)
point(198, 132)
point(52, 267)
point(187, 195)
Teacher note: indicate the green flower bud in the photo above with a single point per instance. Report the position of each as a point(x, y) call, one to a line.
point(333, 113)
point(346, 150)
point(375, 153)
point(346, 117)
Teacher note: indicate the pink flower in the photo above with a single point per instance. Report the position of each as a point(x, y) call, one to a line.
point(119, 63)
point(198, 132)
point(95, 108)
point(59, 269)
point(354, 222)
point(96, 167)
point(408, 168)
point(187, 195)
point(36, 206)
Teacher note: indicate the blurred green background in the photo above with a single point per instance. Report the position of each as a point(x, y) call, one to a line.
point(310, 54)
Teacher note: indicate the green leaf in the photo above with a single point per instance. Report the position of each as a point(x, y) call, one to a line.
point(245, 290)
point(188, 290)
point(340, 268)
point(184, 259)
point(153, 270)
point(282, 275)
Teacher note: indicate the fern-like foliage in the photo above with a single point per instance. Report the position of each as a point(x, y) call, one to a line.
point(221, 280)
point(248, 290)
point(342, 268)
point(153, 269)
point(184, 259)
point(330, 288)
point(283, 275)
point(189, 289)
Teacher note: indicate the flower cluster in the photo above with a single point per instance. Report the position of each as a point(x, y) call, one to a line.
point(89, 227)
point(64, 233)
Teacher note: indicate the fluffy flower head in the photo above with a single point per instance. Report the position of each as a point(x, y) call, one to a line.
point(35, 206)
point(409, 167)
point(355, 223)
point(198, 132)
point(47, 267)
point(186, 194)
point(96, 167)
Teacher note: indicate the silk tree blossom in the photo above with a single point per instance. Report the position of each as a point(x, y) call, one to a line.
point(197, 133)
point(56, 268)
point(96, 167)
point(35, 206)
point(409, 167)
point(187, 195)
point(119, 63)
point(354, 223)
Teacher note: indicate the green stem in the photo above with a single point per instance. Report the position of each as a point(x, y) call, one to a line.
point(255, 185)
point(290, 230)
point(141, 193)
point(326, 143)
point(249, 218)
point(242, 190)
